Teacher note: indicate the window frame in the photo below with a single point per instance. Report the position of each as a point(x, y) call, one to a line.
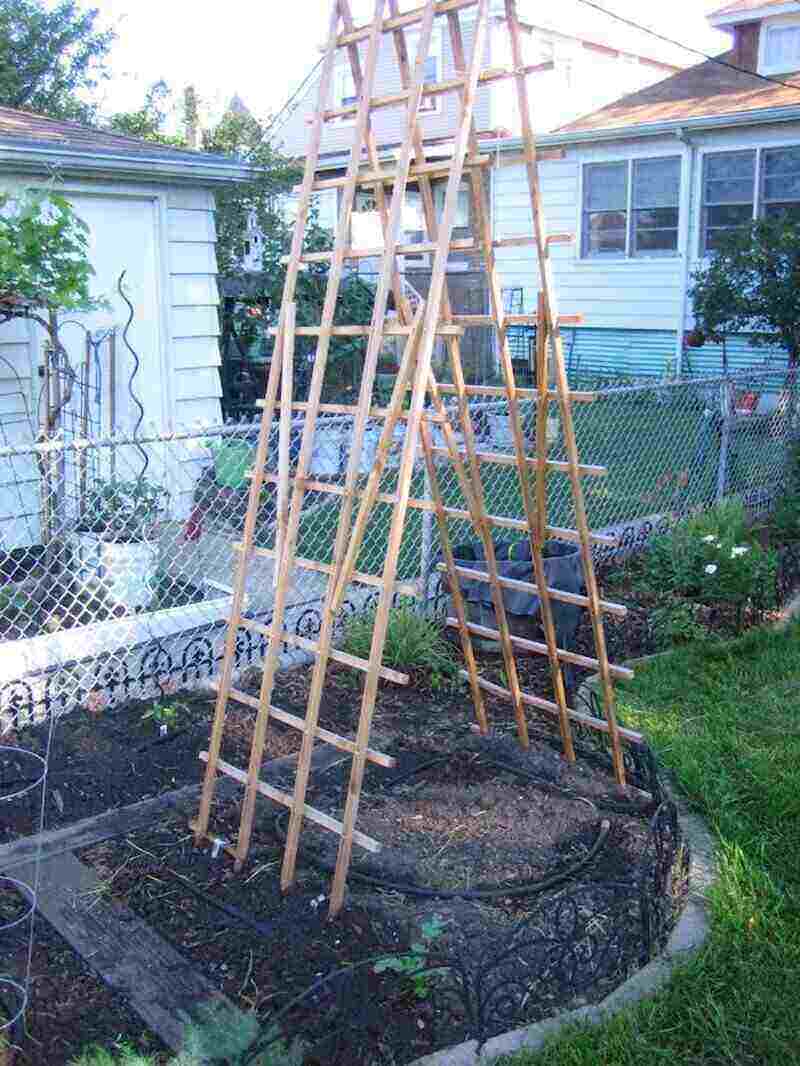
point(629, 254)
point(776, 23)
point(430, 105)
point(758, 184)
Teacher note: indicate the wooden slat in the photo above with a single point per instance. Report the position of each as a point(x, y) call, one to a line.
point(455, 586)
point(557, 532)
point(418, 172)
point(617, 609)
point(553, 327)
point(390, 329)
point(351, 409)
point(522, 394)
point(537, 648)
point(239, 581)
point(286, 800)
point(461, 245)
point(598, 724)
point(284, 436)
point(504, 459)
point(424, 355)
point(440, 88)
point(401, 22)
point(473, 321)
point(405, 588)
point(276, 634)
point(530, 242)
point(535, 528)
point(294, 722)
point(385, 672)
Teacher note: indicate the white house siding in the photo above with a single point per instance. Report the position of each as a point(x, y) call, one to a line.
point(634, 310)
point(163, 237)
point(388, 123)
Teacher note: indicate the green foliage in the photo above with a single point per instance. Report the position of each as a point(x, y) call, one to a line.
point(785, 519)
point(676, 622)
point(168, 714)
point(752, 284)
point(43, 253)
point(147, 122)
point(413, 642)
point(51, 55)
point(413, 967)
point(710, 559)
point(124, 1055)
point(123, 510)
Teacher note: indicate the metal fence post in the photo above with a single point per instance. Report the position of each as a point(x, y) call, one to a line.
point(727, 415)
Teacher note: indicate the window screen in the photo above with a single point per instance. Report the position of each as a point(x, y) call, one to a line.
point(605, 209)
point(780, 183)
point(782, 48)
point(656, 202)
point(728, 194)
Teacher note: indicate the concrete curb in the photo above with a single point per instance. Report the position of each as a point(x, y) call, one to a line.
point(687, 937)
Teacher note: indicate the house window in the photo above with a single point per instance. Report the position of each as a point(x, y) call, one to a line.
point(780, 183)
point(631, 208)
point(345, 89)
point(728, 194)
point(780, 48)
point(741, 186)
point(433, 68)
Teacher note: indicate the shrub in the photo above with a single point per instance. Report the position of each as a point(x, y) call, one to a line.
point(676, 623)
point(413, 643)
point(124, 1055)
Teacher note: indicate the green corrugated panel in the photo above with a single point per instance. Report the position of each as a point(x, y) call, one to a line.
point(645, 352)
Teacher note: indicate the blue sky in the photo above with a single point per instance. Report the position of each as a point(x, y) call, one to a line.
point(262, 48)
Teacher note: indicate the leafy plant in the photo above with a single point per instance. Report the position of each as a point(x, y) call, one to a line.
point(123, 510)
point(43, 254)
point(414, 967)
point(676, 622)
point(751, 284)
point(413, 642)
point(124, 1055)
point(168, 714)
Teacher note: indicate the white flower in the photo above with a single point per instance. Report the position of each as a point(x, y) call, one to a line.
point(711, 568)
point(709, 539)
point(738, 551)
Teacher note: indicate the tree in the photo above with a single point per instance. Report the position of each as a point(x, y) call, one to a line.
point(49, 56)
point(752, 284)
point(148, 121)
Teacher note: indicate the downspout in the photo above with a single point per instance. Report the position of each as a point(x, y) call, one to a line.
point(685, 241)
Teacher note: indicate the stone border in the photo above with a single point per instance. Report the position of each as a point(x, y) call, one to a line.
point(688, 936)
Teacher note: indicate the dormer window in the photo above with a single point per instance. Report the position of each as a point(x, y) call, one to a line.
point(780, 46)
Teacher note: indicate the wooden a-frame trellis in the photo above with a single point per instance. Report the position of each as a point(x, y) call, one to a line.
point(433, 319)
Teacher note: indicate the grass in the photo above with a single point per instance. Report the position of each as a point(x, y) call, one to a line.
point(658, 458)
point(725, 718)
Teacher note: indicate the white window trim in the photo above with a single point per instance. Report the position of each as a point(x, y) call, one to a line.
point(770, 24)
point(628, 256)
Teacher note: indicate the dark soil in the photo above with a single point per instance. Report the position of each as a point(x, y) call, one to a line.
point(116, 757)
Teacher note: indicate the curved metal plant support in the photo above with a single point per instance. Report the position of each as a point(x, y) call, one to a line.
point(132, 376)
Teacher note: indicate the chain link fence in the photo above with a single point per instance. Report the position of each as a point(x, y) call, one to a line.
point(118, 555)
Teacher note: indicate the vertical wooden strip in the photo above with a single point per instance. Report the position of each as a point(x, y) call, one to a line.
point(432, 312)
point(284, 438)
point(365, 396)
point(459, 606)
point(550, 309)
point(315, 392)
point(541, 377)
point(240, 577)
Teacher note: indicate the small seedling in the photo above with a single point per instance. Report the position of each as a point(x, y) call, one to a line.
point(166, 715)
point(413, 967)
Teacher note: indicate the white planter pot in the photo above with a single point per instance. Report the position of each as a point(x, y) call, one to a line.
point(326, 454)
point(125, 570)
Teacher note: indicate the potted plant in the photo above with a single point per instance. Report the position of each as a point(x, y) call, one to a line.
point(113, 543)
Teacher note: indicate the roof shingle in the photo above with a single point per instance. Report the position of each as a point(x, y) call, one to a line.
point(707, 89)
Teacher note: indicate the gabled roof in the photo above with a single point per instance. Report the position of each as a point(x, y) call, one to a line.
point(28, 138)
point(705, 90)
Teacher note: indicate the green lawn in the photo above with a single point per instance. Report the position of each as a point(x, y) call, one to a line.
point(726, 719)
point(658, 458)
